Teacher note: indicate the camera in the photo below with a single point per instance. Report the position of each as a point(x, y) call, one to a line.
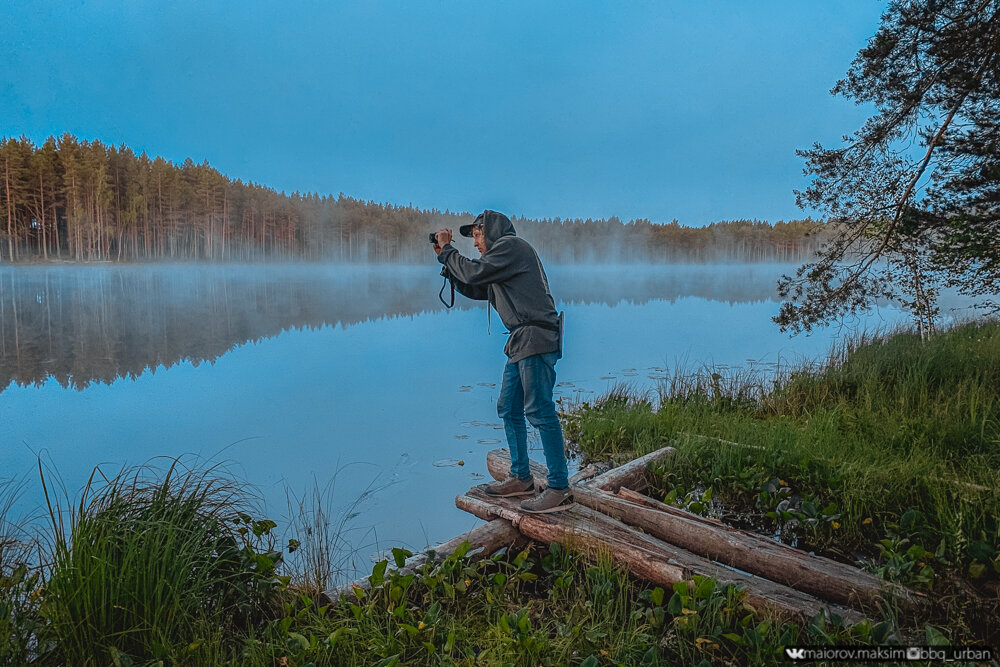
point(433, 237)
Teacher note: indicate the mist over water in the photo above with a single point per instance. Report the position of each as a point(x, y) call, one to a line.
point(353, 374)
point(80, 325)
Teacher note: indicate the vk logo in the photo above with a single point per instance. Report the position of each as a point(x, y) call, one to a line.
point(795, 653)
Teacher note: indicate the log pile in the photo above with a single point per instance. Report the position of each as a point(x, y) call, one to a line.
point(664, 544)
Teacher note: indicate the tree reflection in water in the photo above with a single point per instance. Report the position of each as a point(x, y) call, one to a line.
point(86, 324)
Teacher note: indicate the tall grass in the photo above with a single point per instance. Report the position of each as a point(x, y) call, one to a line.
point(942, 394)
point(887, 453)
point(325, 543)
point(19, 577)
point(887, 424)
point(15, 544)
point(155, 564)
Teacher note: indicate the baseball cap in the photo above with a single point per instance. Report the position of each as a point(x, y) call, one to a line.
point(466, 230)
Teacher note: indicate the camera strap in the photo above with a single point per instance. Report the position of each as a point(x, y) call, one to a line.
point(447, 282)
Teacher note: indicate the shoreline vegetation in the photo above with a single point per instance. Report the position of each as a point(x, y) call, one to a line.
point(84, 201)
point(886, 457)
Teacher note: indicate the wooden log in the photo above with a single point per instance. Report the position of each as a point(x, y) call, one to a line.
point(699, 436)
point(750, 552)
point(484, 540)
point(498, 464)
point(584, 474)
point(646, 557)
point(753, 553)
point(632, 474)
point(652, 503)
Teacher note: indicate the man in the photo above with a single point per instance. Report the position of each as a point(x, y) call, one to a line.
point(510, 277)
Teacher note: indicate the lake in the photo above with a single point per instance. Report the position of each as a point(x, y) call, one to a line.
point(353, 380)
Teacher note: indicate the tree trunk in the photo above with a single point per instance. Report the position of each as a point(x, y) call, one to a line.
point(632, 474)
point(10, 212)
point(41, 216)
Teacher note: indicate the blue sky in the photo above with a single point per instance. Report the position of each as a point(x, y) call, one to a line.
point(659, 110)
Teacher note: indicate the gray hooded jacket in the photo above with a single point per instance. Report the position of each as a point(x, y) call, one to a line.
point(511, 277)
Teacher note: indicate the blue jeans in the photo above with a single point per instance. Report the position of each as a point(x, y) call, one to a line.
point(527, 392)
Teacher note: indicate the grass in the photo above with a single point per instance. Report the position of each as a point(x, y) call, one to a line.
point(159, 564)
point(164, 566)
point(326, 544)
point(544, 605)
point(19, 581)
point(888, 453)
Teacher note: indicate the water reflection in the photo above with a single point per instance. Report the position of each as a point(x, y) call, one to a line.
point(346, 376)
point(81, 325)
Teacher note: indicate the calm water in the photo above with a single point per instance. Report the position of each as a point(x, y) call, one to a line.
point(351, 379)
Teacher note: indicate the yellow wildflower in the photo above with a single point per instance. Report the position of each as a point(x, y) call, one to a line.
point(836, 525)
point(867, 521)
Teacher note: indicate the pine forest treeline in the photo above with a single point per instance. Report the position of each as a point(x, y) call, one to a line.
point(81, 200)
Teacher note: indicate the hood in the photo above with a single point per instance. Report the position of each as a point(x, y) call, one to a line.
point(495, 225)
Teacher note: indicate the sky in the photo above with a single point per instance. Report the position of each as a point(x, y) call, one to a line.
point(648, 109)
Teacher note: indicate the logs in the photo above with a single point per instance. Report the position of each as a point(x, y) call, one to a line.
point(644, 556)
point(646, 501)
point(632, 474)
point(756, 554)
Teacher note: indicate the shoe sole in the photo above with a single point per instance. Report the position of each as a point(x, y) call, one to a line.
point(557, 508)
point(529, 492)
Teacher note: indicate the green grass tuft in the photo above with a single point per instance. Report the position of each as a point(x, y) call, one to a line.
point(156, 565)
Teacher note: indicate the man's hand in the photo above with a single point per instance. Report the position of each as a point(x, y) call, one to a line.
point(443, 237)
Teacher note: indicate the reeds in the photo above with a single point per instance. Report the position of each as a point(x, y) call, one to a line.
point(326, 543)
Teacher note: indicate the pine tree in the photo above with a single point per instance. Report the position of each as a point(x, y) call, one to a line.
point(914, 194)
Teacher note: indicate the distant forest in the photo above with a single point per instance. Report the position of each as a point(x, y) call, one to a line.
point(80, 201)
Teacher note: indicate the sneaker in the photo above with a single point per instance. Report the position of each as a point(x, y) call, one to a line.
point(549, 500)
point(512, 486)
